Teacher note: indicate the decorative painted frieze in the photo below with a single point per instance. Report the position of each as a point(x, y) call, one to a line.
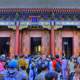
point(46, 19)
point(68, 23)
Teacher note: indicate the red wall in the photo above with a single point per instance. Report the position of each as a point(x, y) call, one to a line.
point(10, 34)
point(59, 34)
point(45, 35)
point(36, 33)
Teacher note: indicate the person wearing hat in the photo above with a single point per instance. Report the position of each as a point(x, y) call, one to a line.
point(22, 62)
point(11, 72)
point(51, 76)
point(23, 65)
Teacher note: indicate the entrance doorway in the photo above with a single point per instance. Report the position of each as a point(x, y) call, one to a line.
point(4, 45)
point(67, 46)
point(35, 45)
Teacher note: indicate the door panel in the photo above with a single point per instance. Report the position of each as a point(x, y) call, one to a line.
point(67, 46)
point(35, 45)
point(4, 45)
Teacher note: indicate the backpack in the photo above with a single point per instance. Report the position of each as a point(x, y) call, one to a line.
point(58, 66)
point(10, 76)
point(1, 77)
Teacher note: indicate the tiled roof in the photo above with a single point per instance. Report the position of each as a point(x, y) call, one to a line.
point(55, 10)
point(39, 3)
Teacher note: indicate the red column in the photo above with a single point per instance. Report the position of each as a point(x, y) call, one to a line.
point(52, 42)
point(17, 41)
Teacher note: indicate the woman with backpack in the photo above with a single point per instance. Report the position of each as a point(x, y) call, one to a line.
point(58, 68)
point(58, 64)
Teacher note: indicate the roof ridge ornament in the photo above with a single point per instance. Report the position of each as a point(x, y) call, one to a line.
point(17, 16)
point(17, 22)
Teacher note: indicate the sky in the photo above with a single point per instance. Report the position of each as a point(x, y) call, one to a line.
point(39, 3)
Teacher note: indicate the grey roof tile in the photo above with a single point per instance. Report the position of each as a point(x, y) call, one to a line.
point(39, 3)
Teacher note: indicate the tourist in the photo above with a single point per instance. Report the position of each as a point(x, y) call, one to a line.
point(64, 68)
point(77, 72)
point(22, 62)
point(11, 72)
point(78, 59)
point(58, 64)
point(2, 69)
point(51, 76)
point(22, 74)
point(50, 63)
point(71, 65)
point(44, 68)
point(31, 71)
point(54, 63)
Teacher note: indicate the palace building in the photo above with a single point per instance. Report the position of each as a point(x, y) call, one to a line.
point(40, 31)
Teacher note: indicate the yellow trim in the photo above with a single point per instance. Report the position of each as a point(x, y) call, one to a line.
point(22, 27)
point(12, 27)
point(57, 27)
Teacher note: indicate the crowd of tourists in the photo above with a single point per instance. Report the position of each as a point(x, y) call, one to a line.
point(39, 67)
